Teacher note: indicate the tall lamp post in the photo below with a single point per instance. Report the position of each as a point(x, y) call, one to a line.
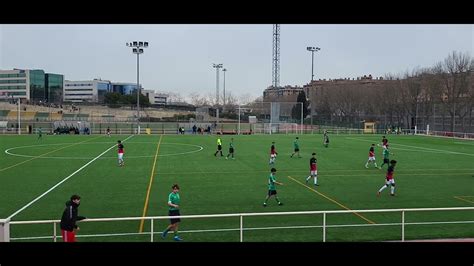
point(312, 50)
point(223, 105)
point(217, 66)
point(137, 48)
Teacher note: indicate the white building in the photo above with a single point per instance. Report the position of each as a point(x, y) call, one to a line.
point(32, 85)
point(14, 84)
point(156, 98)
point(86, 91)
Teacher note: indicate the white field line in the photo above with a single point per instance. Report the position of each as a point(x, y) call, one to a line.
point(87, 158)
point(62, 181)
point(417, 147)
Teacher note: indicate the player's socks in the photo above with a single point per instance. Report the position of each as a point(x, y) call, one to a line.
point(392, 190)
point(382, 188)
point(316, 180)
point(163, 235)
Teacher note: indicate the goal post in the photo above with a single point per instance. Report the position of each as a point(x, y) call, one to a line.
point(273, 117)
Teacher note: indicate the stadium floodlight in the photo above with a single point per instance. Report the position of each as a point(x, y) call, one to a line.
point(223, 105)
point(137, 48)
point(312, 50)
point(217, 66)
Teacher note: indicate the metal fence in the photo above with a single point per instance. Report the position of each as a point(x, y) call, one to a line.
point(5, 224)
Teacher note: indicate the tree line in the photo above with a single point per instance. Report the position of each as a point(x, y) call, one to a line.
point(443, 92)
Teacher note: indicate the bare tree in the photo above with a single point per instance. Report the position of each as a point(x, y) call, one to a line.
point(454, 72)
point(245, 99)
point(198, 100)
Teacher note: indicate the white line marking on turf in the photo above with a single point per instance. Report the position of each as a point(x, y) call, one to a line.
point(62, 181)
point(7, 151)
point(425, 149)
point(464, 143)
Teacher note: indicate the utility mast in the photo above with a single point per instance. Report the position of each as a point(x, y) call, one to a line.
point(276, 56)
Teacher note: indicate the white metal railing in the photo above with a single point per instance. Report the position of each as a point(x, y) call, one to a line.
point(242, 215)
point(446, 134)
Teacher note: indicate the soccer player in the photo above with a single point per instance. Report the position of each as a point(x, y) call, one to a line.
point(108, 132)
point(273, 154)
point(389, 179)
point(231, 149)
point(70, 217)
point(120, 153)
point(371, 157)
point(40, 134)
point(386, 152)
point(384, 142)
point(326, 139)
point(296, 147)
point(173, 204)
point(271, 187)
point(219, 147)
point(313, 170)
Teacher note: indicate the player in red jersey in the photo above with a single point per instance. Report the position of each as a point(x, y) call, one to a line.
point(371, 157)
point(273, 154)
point(389, 179)
point(313, 170)
point(120, 153)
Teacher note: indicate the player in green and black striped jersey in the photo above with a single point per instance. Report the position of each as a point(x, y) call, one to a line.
point(296, 147)
point(231, 149)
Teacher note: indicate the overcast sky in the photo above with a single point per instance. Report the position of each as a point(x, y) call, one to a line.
point(180, 57)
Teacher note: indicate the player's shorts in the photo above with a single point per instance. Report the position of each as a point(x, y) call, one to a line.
point(372, 158)
point(315, 172)
point(386, 161)
point(120, 156)
point(273, 155)
point(297, 150)
point(68, 236)
point(219, 147)
point(174, 213)
point(231, 150)
point(390, 181)
point(272, 192)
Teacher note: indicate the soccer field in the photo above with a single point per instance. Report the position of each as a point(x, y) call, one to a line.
point(430, 173)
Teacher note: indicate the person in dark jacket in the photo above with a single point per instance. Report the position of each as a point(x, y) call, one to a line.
point(69, 219)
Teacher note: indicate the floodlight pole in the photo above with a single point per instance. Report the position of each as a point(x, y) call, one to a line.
point(239, 121)
point(217, 66)
point(223, 104)
point(312, 50)
point(138, 93)
point(301, 118)
point(19, 126)
point(137, 48)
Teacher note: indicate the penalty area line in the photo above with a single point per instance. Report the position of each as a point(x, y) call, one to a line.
point(62, 181)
